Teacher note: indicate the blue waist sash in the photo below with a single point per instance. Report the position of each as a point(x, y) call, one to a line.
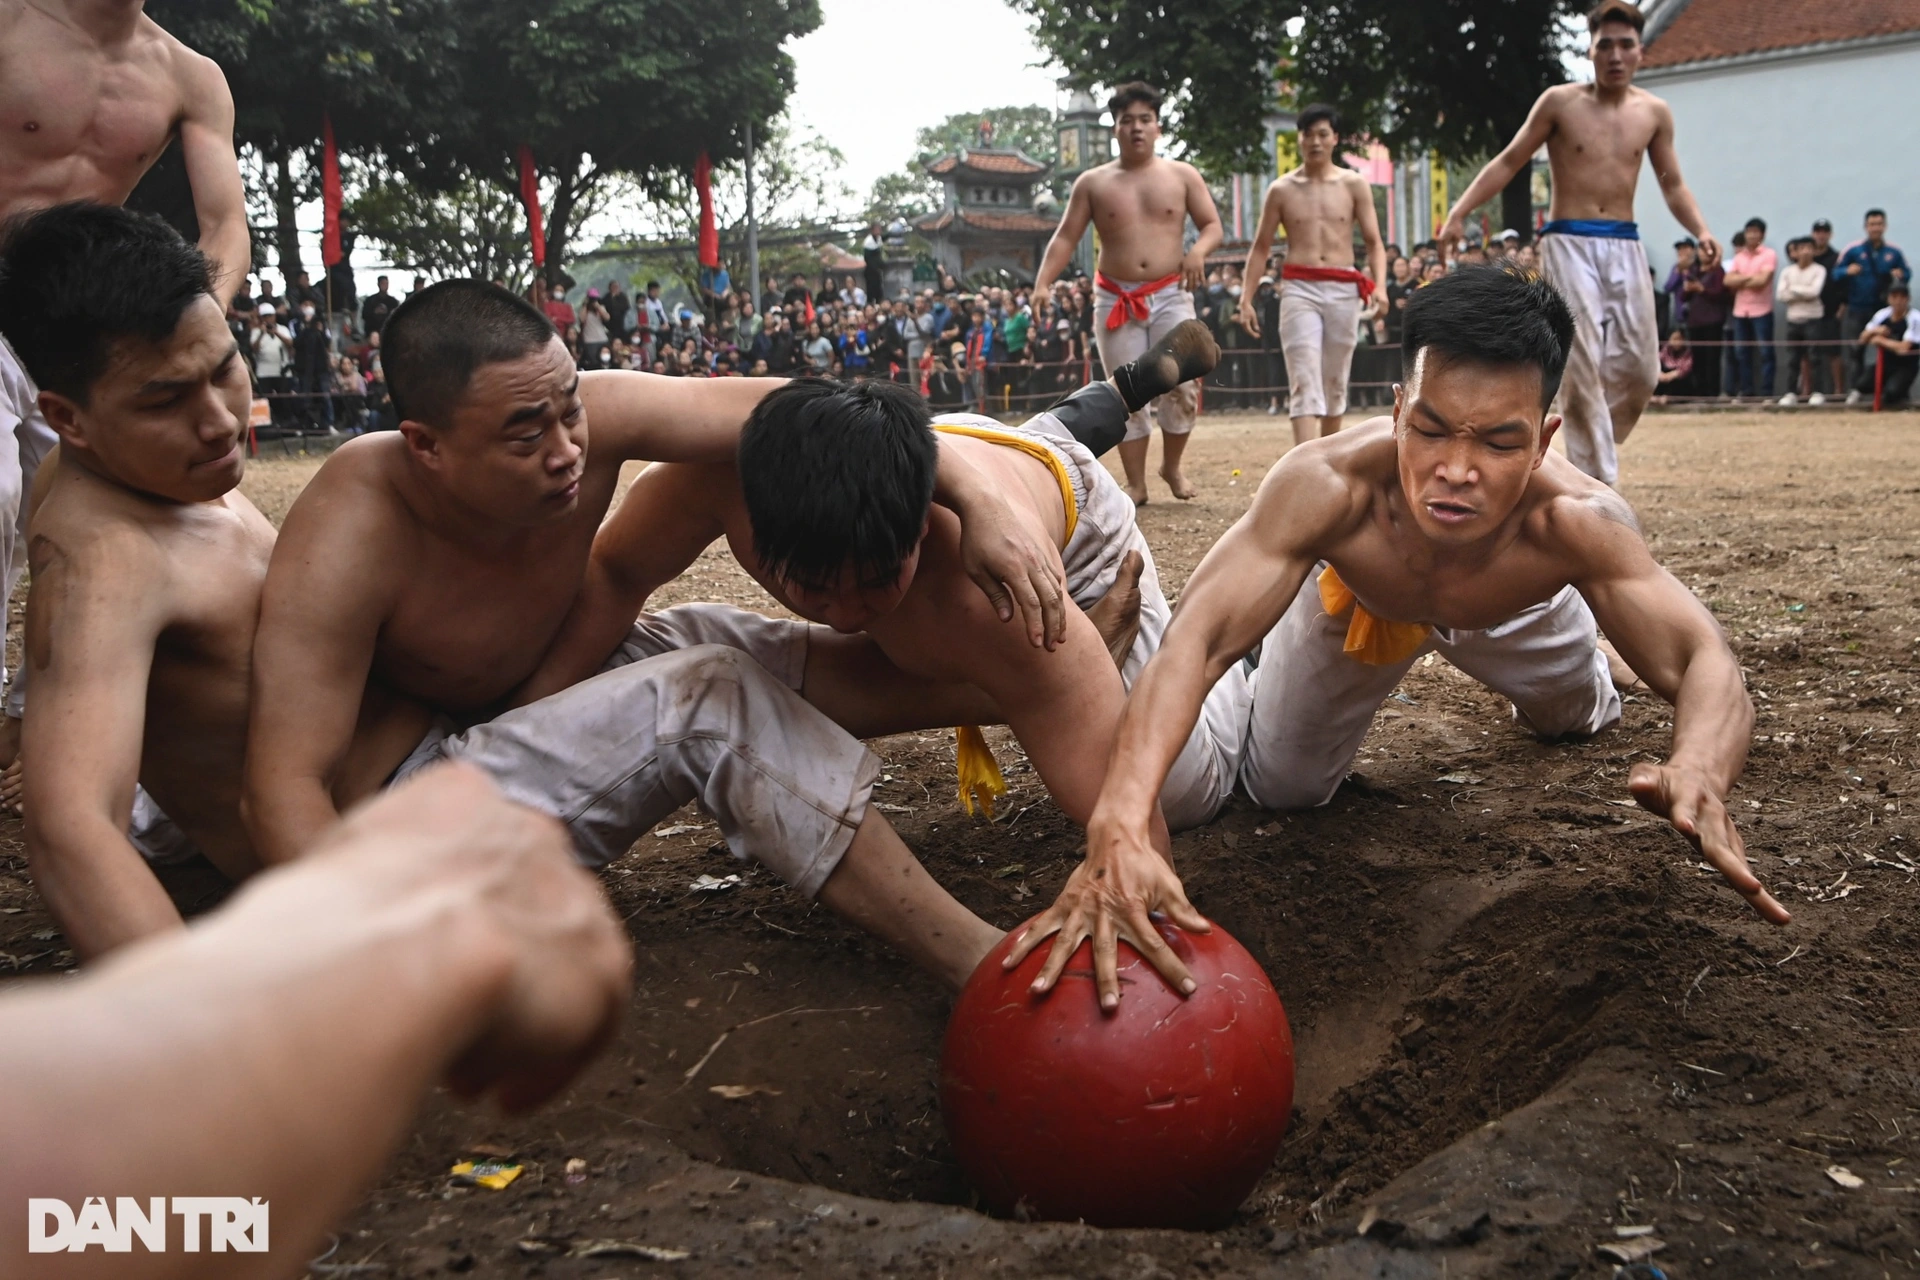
point(1605, 228)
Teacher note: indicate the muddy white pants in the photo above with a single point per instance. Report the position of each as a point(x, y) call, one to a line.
point(1313, 705)
point(1319, 326)
point(25, 439)
point(684, 711)
point(1203, 774)
point(1615, 361)
point(1174, 411)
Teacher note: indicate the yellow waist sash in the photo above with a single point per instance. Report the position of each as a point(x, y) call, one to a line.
point(1374, 641)
point(973, 759)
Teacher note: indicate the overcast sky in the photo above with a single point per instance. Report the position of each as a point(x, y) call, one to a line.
point(876, 71)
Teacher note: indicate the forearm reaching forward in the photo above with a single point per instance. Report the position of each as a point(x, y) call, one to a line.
point(279, 1048)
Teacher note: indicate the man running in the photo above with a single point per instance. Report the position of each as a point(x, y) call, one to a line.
point(90, 96)
point(828, 508)
point(1143, 280)
point(1596, 135)
point(1449, 527)
point(1317, 206)
point(435, 564)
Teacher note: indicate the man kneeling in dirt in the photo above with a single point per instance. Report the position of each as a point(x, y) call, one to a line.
point(1449, 527)
point(829, 508)
point(147, 565)
point(437, 563)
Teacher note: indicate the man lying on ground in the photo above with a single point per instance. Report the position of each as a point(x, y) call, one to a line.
point(438, 562)
point(281, 1046)
point(147, 565)
point(1450, 527)
point(829, 508)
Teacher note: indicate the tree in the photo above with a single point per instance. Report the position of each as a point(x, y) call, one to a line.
point(475, 230)
point(1455, 75)
point(599, 88)
point(798, 199)
point(909, 192)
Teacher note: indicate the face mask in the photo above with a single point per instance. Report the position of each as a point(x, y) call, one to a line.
point(306, 313)
point(559, 294)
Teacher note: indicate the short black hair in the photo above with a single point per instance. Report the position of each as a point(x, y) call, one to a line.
point(1686, 242)
point(1756, 222)
point(1876, 213)
point(1898, 287)
point(653, 284)
point(837, 475)
point(77, 277)
point(1616, 11)
point(1316, 111)
point(1131, 92)
point(434, 341)
point(1499, 315)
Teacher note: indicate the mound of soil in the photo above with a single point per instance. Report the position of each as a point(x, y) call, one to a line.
point(1528, 1020)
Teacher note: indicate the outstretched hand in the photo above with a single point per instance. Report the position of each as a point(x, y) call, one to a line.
point(1011, 559)
point(1108, 898)
point(1688, 800)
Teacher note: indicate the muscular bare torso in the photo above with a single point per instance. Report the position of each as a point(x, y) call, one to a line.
point(1399, 574)
point(1596, 147)
point(1317, 215)
point(209, 559)
point(1140, 216)
point(79, 120)
point(470, 622)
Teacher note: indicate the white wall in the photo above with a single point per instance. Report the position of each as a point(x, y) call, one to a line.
point(1823, 136)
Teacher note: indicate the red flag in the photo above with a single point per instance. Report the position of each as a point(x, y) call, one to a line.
point(330, 195)
point(530, 197)
point(709, 233)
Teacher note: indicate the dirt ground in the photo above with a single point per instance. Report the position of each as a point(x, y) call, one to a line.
point(1526, 1017)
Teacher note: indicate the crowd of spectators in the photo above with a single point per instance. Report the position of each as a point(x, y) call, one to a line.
point(987, 347)
point(995, 348)
point(1846, 315)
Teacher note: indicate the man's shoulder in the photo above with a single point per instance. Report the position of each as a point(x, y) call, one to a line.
point(355, 488)
point(1572, 509)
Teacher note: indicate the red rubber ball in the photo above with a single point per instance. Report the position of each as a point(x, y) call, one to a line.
point(1164, 1113)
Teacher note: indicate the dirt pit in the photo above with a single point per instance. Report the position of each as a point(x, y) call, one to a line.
point(1528, 1021)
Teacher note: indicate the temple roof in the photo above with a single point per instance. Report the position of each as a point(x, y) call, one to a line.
point(988, 163)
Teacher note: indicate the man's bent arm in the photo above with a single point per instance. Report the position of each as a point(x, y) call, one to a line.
point(1208, 230)
point(1059, 251)
point(647, 417)
point(668, 517)
point(219, 201)
point(1672, 642)
point(1257, 254)
point(1500, 170)
point(320, 616)
point(279, 1048)
point(92, 622)
point(1673, 187)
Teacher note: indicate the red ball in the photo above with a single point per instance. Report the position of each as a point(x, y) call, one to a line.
point(1163, 1113)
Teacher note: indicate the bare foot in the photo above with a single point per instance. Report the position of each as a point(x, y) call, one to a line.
point(1624, 678)
point(1139, 495)
point(1116, 615)
point(12, 781)
point(1182, 487)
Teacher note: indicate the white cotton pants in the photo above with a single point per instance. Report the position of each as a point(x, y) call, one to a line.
point(701, 703)
point(1203, 774)
point(1176, 410)
point(1615, 362)
point(1319, 326)
point(25, 439)
point(1313, 705)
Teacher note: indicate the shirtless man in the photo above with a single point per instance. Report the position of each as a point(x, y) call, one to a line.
point(147, 565)
point(1596, 135)
point(1143, 281)
point(1323, 297)
point(438, 562)
point(827, 507)
point(91, 91)
point(1449, 527)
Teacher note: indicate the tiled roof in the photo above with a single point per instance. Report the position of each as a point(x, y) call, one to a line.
point(1010, 162)
point(979, 221)
point(1710, 29)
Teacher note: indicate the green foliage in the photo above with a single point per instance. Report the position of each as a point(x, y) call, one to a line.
point(476, 229)
point(1456, 75)
point(1214, 61)
point(909, 192)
